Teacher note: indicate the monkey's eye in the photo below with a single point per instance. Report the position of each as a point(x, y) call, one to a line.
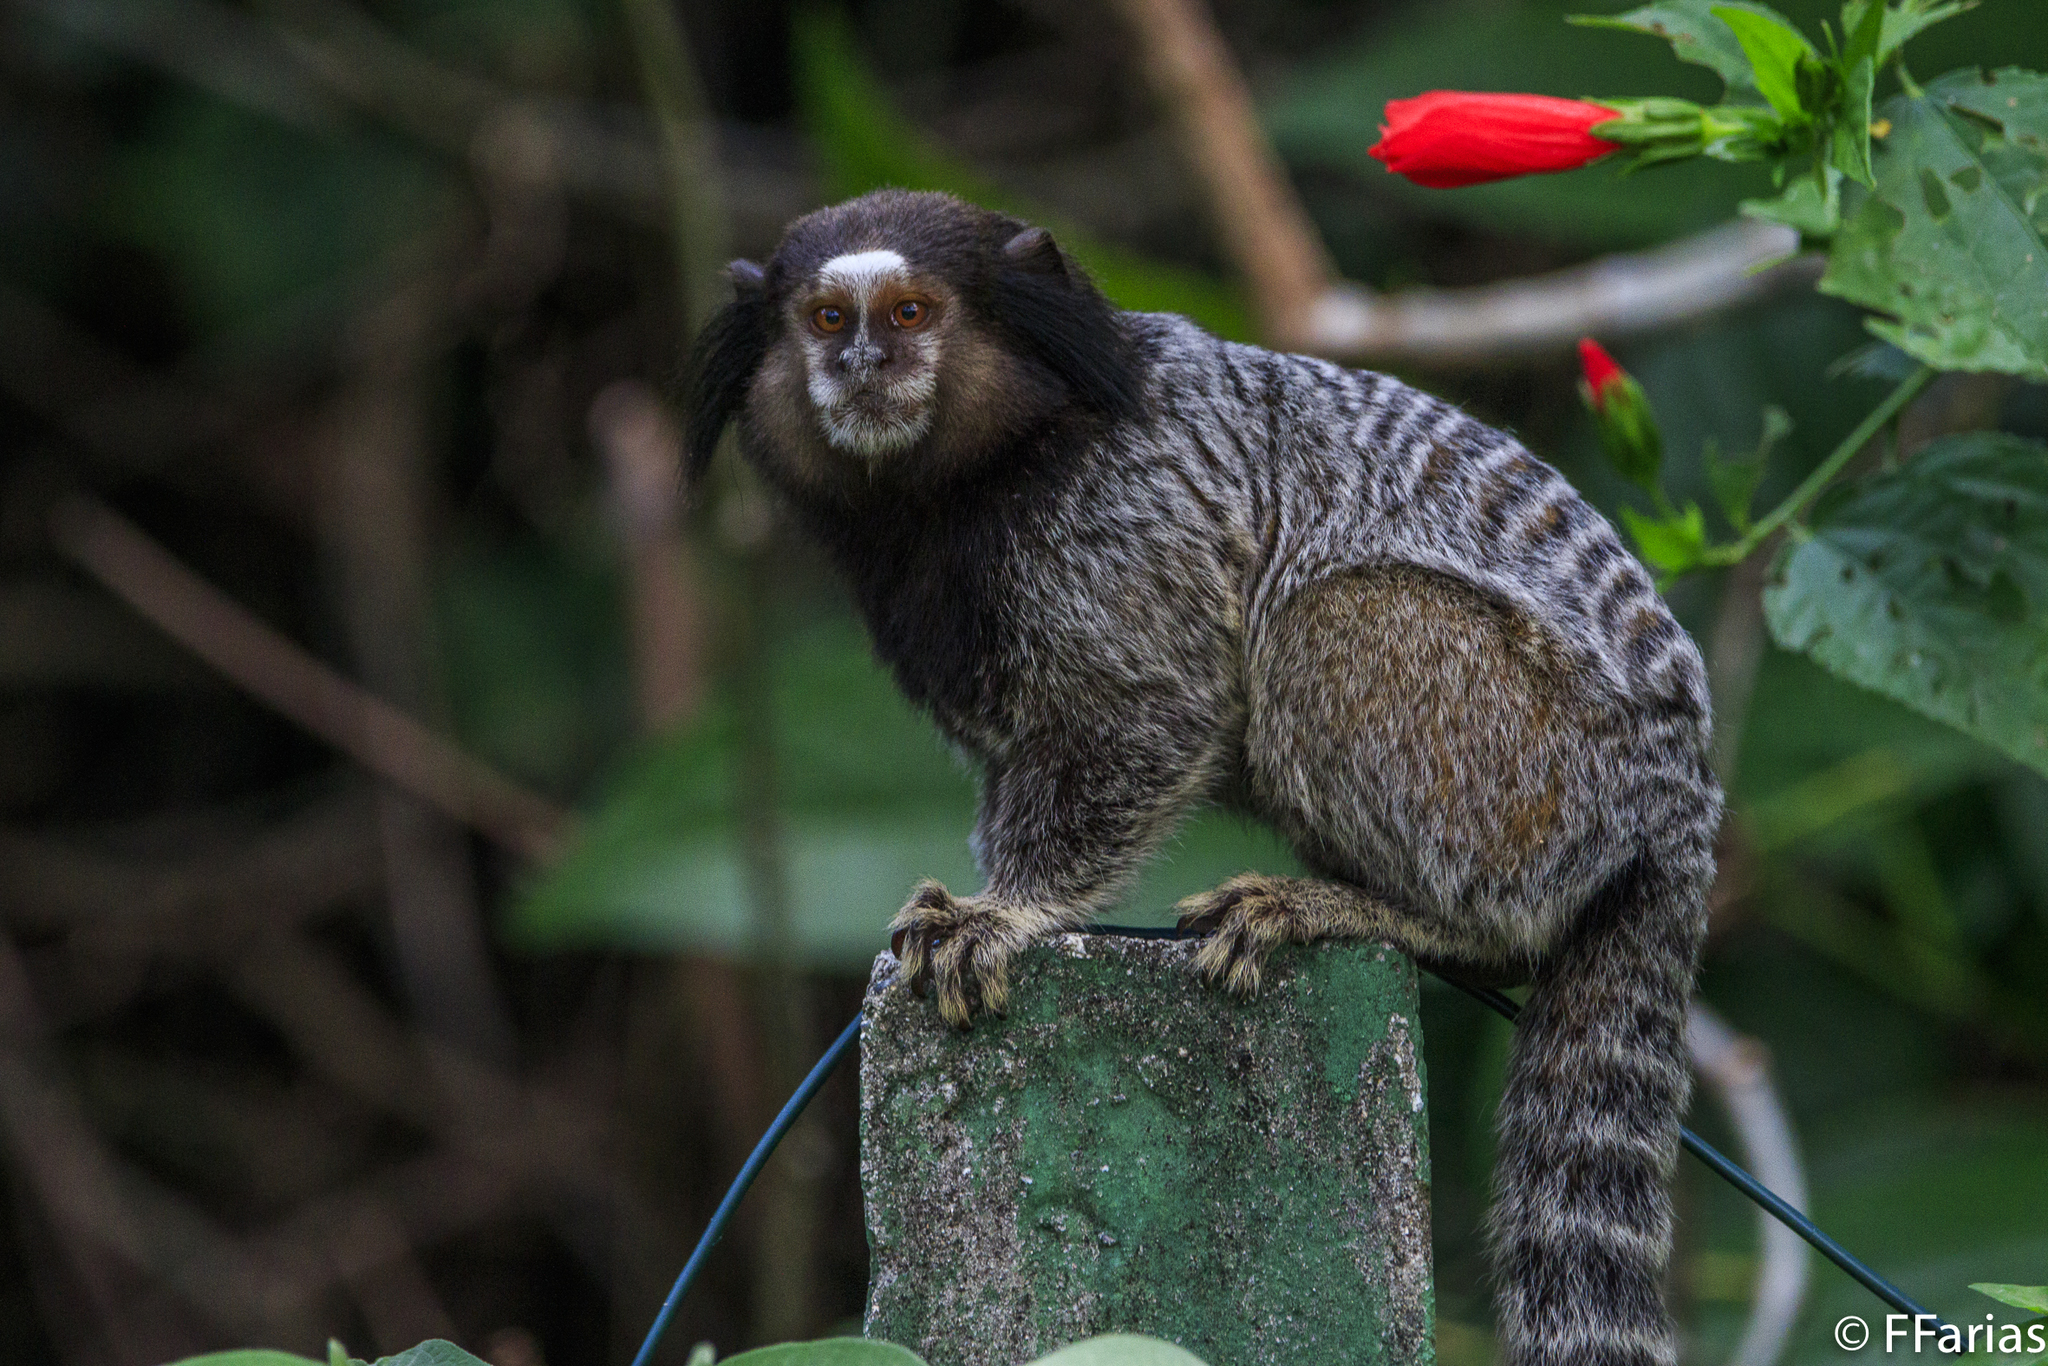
point(828, 319)
point(910, 313)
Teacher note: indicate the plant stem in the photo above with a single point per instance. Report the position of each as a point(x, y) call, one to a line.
point(1737, 551)
point(668, 81)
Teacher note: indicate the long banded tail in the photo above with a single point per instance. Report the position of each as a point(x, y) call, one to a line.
point(1597, 1086)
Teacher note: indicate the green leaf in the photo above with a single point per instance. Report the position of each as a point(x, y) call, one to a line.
point(2032, 1297)
point(1774, 49)
point(1811, 203)
point(247, 1356)
point(1734, 482)
point(1121, 1349)
point(1698, 32)
point(1862, 31)
point(867, 144)
point(1671, 545)
point(1875, 360)
point(2015, 104)
point(432, 1352)
point(828, 1352)
point(1930, 584)
point(1849, 143)
point(1900, 22)
point(1949, 242)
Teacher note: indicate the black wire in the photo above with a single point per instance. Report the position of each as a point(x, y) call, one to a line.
point(1772, 1203)
point(723, 1215)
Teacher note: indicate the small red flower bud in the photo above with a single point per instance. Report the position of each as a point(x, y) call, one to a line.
point(1601, 370)
point(1447, 138)
point(1628, 427)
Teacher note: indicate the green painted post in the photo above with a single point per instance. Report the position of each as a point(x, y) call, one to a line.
point(1130, 1150)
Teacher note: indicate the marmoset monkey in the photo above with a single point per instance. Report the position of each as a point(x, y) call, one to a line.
point(1130, 569)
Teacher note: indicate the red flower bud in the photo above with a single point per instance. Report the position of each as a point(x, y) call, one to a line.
point(1601, 370)
point(1628, 427)
point(1447, 138)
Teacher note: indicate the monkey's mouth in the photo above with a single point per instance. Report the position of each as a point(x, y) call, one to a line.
point(876, 419)
point(875, 403)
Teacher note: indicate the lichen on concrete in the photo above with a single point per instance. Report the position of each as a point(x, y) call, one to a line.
point(1131, 1151)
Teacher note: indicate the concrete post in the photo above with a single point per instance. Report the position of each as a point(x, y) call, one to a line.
point(1133, 1151)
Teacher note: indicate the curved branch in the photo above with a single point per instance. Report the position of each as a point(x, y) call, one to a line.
point(1612, 297)
point(1736, 1068)
point(286, 677)
point(1265, 229)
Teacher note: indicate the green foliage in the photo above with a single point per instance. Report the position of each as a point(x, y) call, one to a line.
point(1777, 54)
point(1924, 1187)
point(1930, 585)
point(432, 1352)
point(871, 801)
point(1948, 246)
point(1671, 544)
point(259, 219)
point(2034, 1297)
point(1901, 21)
point(533, 652)
point(1734, 482)
point(867, 144)
point(1821, 130)
point(1329, 112)
point(1811, 204)
point(1699, 31)
point(1849, 150)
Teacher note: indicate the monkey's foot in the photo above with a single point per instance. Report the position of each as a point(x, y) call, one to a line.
point(1244, 920)
point(962, 946)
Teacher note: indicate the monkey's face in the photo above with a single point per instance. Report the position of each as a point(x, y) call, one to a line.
point(872, 332)
point(900, 340)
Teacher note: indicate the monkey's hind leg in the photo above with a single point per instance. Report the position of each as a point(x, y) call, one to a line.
point(1253, 913)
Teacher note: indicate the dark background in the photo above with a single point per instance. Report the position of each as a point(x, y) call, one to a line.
point(332, 300)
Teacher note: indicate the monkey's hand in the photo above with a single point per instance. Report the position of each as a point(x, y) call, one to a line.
point(963, 947)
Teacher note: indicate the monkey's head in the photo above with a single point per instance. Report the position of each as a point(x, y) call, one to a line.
point(902, 338)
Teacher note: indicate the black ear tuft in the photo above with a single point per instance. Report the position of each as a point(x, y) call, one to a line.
point(722, 364)
point(1034, 250)
point(1051, 308)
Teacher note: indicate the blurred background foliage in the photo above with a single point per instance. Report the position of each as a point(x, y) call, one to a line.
point(241, 241)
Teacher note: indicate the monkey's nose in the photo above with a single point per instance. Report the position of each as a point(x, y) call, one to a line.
point(862, 359)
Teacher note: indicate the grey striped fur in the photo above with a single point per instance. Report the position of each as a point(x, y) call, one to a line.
point(1157, 570)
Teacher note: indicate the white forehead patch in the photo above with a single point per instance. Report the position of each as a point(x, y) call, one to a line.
point(860, 272)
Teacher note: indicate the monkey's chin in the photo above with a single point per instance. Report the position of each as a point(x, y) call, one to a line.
point(863, 430)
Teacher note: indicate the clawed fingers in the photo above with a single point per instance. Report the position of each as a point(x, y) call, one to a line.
point(1203, 913)
point(1244, 920)
point(954, 950)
